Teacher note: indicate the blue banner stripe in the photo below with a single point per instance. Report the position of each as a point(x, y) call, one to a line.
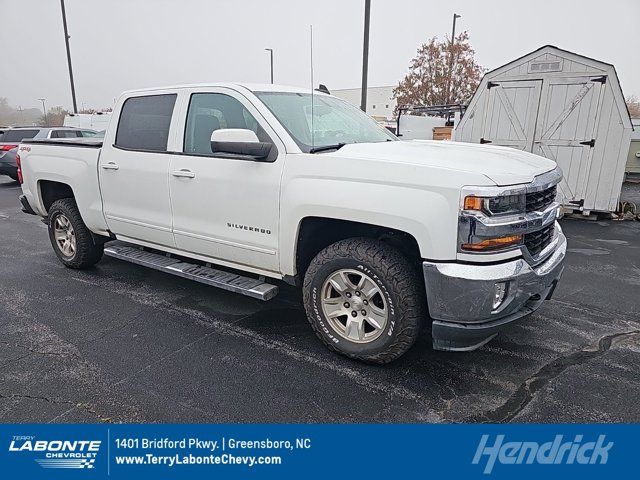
point(317, 451)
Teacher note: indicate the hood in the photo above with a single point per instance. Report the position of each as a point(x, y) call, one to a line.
point(502, 165)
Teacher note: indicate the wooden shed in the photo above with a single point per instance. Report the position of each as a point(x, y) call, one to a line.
point(564, 106)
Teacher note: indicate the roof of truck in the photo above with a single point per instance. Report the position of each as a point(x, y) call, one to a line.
point(253, 87)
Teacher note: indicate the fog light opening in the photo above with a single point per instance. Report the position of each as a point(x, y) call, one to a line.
point(500, 293)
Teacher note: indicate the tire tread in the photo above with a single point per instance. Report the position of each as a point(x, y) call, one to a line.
point(87, 252)
point(397, 271)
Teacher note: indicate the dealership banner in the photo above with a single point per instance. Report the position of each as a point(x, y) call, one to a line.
point(138, 452)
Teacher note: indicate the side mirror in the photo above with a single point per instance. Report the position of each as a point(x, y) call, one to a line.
point(239, 141)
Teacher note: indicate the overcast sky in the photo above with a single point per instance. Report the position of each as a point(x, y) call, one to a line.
point(119, 45)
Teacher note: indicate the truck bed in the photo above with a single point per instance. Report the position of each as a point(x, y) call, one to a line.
point(72, 162)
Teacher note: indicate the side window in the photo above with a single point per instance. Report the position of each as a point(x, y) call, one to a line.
point(144, 122)
point(65, 134)
point(212, 111)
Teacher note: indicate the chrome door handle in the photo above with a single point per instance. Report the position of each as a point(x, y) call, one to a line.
point(110, 166)
point(183, 173)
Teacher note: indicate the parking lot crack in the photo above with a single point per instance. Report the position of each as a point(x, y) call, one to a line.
point(39, 352)
point(527, 390)
point(75, 405)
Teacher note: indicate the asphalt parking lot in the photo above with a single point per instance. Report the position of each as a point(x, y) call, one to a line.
point(120, 343)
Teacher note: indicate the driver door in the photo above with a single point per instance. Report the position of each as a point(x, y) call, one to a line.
point(225, 208)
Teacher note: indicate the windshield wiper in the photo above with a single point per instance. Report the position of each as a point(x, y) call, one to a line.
point(325, 148)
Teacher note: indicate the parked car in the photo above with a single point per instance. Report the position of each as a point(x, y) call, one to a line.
point(382, 235)
point(12, 137)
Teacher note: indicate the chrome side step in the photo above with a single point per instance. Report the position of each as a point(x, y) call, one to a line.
point(248, 286)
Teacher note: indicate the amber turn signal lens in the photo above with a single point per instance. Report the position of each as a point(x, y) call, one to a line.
point(473, 203)
point(493, 243)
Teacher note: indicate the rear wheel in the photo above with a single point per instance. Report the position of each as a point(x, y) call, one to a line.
point(70, 237)
point(364, 299)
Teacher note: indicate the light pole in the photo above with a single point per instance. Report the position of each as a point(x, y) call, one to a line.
point(453, 30)
point(270, 50)
point(365, 56)
point(44, 111)
point(66, 41)
point(453, 39)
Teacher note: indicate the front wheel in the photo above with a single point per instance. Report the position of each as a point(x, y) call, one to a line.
point(364, 299)
point(70, 237)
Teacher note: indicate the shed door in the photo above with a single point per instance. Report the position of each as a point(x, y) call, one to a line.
point(511, 111)
point(566, 129)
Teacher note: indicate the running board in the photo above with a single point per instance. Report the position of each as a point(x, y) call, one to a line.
point(232, 282)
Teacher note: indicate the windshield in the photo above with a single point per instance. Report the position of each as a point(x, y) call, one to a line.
point(334, 121)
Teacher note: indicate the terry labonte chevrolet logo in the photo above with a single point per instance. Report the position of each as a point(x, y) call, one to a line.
point(57, 453)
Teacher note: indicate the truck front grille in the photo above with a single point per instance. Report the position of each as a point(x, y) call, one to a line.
point(537, 241)
point(537, 201)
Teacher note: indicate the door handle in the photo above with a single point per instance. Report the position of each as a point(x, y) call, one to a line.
point(184, 173)
point(110, 166)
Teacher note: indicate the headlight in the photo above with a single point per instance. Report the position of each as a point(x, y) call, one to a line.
point(501, 205)
point(490, 211)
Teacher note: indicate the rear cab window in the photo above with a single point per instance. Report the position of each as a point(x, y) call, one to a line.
point(144, 123)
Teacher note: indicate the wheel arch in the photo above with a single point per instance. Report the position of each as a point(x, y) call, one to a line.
point(50, 191)
point(316, 233)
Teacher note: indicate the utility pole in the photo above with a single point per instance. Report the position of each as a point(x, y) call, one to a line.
point(453, 39)
point(453, 30)
point(44, 111)
point(270, 50)
point(365, 56)
point(66, 41)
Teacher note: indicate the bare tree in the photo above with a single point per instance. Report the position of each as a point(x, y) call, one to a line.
point(440, 73)
point(633, 104)
point(55, 117)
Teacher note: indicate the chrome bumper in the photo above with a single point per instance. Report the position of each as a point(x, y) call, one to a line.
point(460, 296)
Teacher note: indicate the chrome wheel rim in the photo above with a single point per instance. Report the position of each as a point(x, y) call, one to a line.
point(64, 236)
point(354, 306)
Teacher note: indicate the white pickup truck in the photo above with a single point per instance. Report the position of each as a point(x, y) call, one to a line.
point(242, 186)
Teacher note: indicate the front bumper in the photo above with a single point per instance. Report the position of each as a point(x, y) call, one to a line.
point(460, 296)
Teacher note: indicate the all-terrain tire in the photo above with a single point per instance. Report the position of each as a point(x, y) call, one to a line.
point(397, 280)
point(86, 253)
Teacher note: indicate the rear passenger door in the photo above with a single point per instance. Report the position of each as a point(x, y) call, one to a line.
point(133, 170)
